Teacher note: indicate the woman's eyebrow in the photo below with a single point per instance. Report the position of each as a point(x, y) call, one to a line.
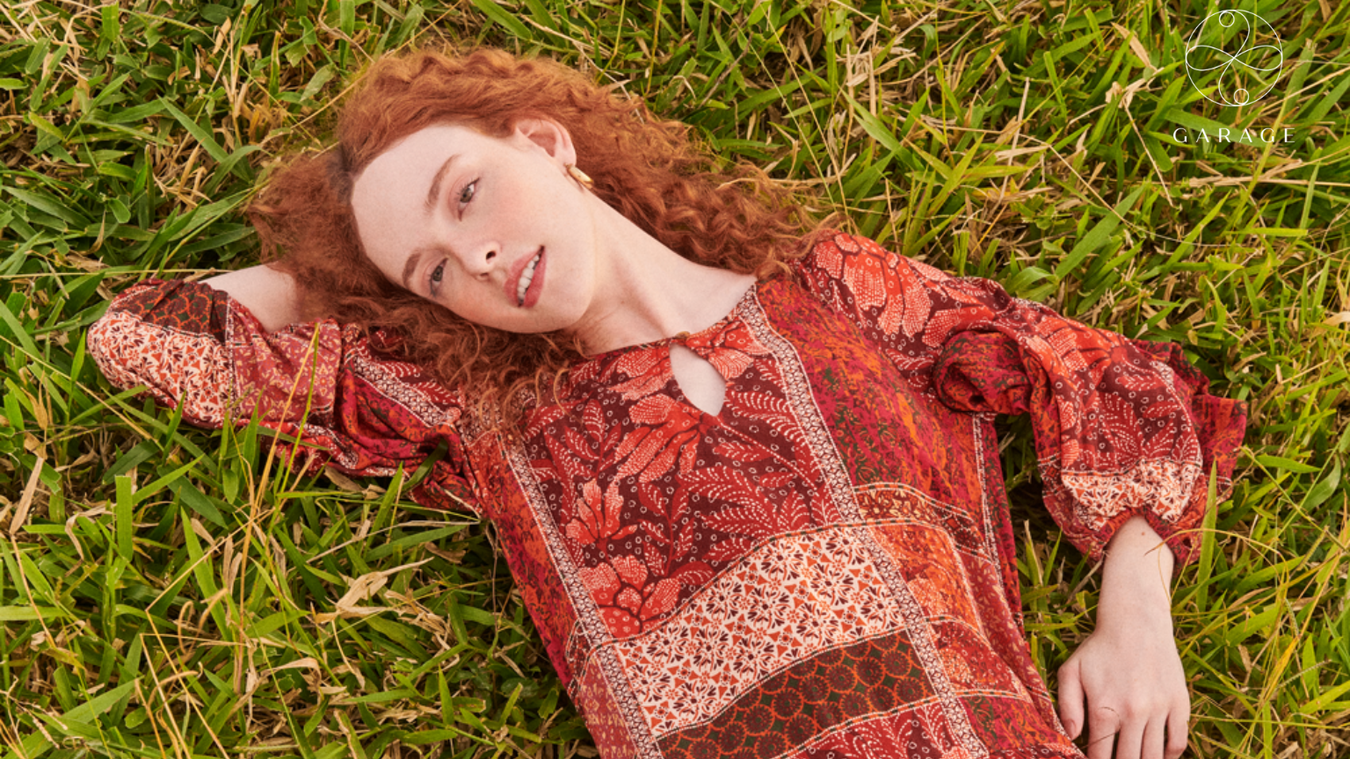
point(411, 266)
point(435, 191)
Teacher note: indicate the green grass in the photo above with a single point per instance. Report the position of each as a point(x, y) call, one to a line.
point(170, 592)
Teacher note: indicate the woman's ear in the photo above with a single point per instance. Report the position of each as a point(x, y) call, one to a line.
point(549, 135)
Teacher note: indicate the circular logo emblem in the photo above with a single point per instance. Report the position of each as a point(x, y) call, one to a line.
point(1238, 54)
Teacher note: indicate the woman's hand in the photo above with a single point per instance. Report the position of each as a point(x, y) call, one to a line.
point(1128, 670)
point(267, 293)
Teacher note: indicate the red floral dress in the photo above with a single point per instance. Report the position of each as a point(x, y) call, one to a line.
point(825, 567)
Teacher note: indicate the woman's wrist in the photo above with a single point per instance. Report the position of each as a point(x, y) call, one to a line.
point(1136, 580)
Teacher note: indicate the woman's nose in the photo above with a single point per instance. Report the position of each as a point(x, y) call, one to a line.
point(480, 258)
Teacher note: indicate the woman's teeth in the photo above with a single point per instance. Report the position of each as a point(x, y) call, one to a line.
point(526, 277)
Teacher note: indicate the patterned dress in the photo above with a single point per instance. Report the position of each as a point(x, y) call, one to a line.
point(826, 566)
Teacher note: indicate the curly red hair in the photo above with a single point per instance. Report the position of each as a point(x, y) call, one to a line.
point(648, 169)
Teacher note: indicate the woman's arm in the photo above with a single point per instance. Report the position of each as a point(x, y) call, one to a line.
point(267, 293)
point(1123, 427)
point(196, 347)
point(1128, 669)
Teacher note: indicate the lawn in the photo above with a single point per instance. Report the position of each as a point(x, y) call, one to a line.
point(171, 592)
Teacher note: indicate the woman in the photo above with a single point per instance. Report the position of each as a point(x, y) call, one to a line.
point(744, 471)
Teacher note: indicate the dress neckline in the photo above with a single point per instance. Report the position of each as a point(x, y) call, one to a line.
point(730, 317)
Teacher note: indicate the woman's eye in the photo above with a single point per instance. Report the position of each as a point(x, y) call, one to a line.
point(437, 274)
point(466, 194)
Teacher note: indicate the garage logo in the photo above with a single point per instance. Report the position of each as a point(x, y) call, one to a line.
point(1234, 58)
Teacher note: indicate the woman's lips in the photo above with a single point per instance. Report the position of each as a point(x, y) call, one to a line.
point(512, 286)
point(537, 284)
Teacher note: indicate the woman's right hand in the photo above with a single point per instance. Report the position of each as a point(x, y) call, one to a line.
point(268, 294)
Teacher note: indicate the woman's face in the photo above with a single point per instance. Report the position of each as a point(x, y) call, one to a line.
point(493, 229)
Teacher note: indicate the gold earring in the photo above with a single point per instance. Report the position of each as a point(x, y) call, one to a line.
point(580, 176)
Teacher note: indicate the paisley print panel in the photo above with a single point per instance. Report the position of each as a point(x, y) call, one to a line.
point(794, 596)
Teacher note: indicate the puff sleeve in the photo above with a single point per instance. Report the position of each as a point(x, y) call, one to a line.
point(1122, 427)
point(320, 383)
